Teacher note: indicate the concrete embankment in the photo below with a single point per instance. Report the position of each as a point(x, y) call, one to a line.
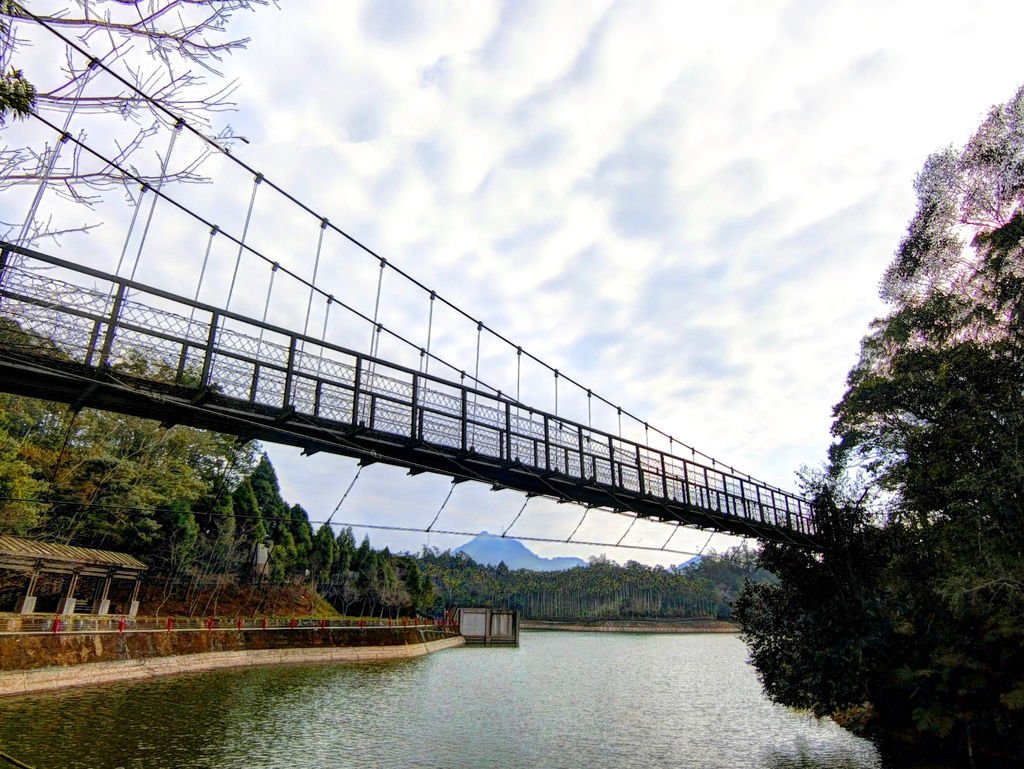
point(634, 626)
point(41, 662)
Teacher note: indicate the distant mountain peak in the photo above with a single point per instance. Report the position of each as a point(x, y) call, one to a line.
point(485, 548)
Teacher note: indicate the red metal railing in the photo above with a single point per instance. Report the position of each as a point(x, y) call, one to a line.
point(57, 624)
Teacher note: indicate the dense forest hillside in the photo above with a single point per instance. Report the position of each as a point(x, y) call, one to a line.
point(203, 510)
point(601, 590)
point(206, 513)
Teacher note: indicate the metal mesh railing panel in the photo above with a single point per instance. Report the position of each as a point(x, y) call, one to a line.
point(335, 403)
point(392, 418)
point(441, 430)
point(47, 328)
point(270, 387)
point(484, 440)
point(231, 377)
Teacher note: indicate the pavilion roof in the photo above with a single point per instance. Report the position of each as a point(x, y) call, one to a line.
point(19, 552)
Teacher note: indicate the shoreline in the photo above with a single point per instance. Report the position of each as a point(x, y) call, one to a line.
point(632, 626)
point(34, 680)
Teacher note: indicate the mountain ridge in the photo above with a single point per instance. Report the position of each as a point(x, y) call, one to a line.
point(491, 550)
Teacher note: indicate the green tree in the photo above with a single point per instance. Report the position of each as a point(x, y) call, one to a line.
point(601, 590)
point(324, 554)
point(302, 533)
point(19, 488)
point(726, 574)
point(910, 626)
point(98, 479)
point(180, 540)
point(267, 492)
point(283, 558)
point(247, 513)
point(346, 542)
point(17, 95)
point(416, 584)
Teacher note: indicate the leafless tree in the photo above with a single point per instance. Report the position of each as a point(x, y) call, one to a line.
point(118, 74)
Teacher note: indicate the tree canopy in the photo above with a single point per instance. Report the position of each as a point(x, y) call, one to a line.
point(910, 627)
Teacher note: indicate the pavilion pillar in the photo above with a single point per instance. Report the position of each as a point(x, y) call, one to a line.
point(27, 603)
point(67, 602)
point(133, 603)
point(100, 601)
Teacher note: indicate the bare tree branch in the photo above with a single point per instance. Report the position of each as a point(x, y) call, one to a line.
point(165, 50)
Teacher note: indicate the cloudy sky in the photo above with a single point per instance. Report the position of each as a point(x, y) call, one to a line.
point(683, 206)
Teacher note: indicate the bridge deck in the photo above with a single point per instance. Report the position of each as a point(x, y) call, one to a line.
point(88, 338)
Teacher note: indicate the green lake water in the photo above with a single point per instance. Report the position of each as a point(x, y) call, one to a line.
point(590, 700)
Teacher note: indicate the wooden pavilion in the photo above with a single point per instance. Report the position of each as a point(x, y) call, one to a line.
point(34, 559)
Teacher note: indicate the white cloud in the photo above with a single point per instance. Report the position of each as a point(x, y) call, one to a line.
point(685, 206)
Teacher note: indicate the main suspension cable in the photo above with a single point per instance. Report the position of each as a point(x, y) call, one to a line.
point(349, 524)
point(363, 247)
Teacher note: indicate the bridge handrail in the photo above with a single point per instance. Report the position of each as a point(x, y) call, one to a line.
point(489, 422)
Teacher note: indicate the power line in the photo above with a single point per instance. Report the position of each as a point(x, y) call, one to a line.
point(520, 538)
point(342, 524)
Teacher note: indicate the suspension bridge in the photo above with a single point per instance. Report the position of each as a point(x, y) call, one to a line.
point(104, 338)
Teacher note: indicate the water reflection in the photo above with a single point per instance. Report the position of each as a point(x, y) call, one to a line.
point(804, 755)
point(560, 700)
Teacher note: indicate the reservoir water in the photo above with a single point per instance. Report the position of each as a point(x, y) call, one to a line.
point(591, 700)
